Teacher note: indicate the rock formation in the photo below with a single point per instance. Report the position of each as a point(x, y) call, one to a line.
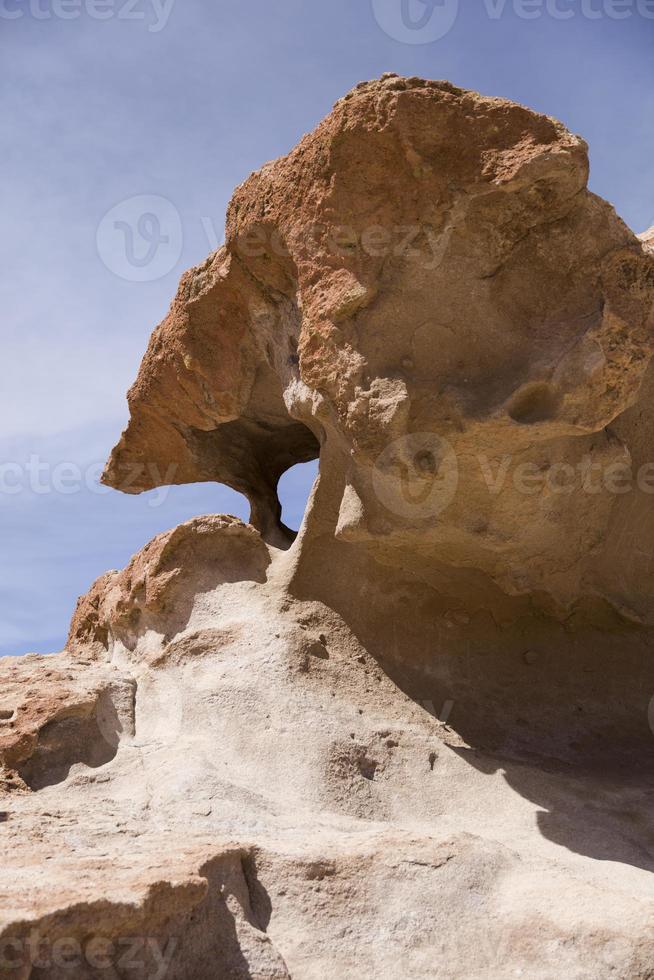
point(416, 739)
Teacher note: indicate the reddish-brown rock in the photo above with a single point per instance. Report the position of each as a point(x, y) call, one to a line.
point(425, 277)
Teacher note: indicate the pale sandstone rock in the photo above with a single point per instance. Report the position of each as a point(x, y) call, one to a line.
point(416, 741)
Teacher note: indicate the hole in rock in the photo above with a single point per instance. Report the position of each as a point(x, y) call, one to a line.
point(536, 402)
point(294, 490)
point(64, 742)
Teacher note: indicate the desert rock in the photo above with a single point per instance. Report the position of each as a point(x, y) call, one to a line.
point(416, 739)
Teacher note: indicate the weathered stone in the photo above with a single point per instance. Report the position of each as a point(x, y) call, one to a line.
point(417, 741)
point(419, 224)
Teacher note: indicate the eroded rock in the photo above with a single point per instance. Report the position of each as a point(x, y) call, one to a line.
point(151, 600)
point(57, 714)
point(418, 740)
point(457, 299)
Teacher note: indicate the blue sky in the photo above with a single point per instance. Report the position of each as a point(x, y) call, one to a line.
point(181, 100)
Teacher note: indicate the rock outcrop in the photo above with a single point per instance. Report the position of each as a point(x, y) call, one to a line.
point(425, 276)
point(415, 740)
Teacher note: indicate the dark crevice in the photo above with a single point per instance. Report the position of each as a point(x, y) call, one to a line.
point(260, 904)
point(250, 456)
point(63, 743)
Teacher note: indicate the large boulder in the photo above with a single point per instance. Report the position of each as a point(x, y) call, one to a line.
point(426, 291)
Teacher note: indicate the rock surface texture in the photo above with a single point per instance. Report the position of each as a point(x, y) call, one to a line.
point(416, 739)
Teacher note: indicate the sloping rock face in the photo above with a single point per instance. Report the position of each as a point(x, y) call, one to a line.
point(416, 740)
